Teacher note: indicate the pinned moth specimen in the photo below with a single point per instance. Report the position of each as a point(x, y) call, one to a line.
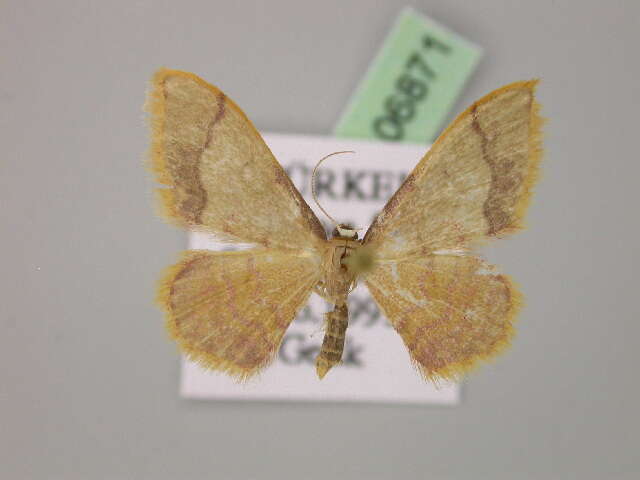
point(229, 310)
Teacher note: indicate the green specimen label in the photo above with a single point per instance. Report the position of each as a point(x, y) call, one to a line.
point(412, 84)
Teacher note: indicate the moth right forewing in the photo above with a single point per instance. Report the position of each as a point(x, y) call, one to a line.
point(473, 184)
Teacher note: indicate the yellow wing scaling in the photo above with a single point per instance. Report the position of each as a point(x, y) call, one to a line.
point(474, 183)
point(219, 175)
point(228, 311)
point(452, 309)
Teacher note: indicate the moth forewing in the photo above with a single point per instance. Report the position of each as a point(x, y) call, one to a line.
point(218, 174)
point(473, 184)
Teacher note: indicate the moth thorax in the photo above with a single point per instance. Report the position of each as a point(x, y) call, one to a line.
point(345, 231)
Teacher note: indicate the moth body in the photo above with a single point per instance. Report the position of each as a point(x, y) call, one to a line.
point(229, 310)
point(336, 283)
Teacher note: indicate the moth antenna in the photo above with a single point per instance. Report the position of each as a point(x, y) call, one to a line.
point(313, 183)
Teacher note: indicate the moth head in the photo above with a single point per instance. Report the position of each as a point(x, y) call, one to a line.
point(344, 230)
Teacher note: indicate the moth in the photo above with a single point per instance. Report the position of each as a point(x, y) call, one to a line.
point(229, 310)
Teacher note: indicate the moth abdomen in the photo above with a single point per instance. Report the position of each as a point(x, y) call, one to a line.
point(333, 342)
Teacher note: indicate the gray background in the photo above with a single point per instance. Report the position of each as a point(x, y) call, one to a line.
point(88, 379)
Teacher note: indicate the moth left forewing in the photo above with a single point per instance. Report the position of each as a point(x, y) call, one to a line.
point(218, 174)
point(228, 311)
point(452, 311)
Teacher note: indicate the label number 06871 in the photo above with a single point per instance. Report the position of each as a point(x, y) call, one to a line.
point(410, 88)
